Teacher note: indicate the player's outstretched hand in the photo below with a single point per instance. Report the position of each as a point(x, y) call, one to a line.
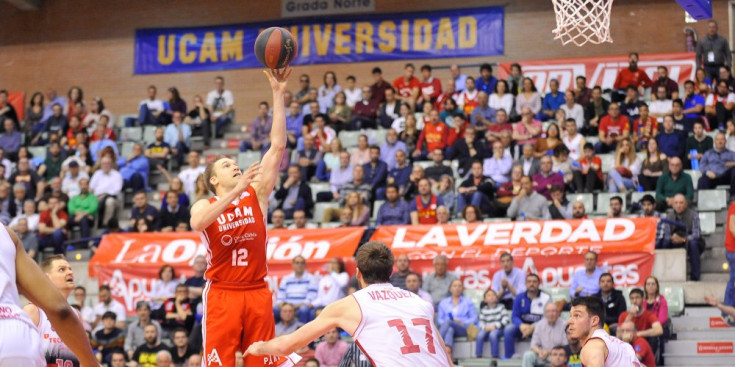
point(255, 349)
point(278, 78)
point(249, 176)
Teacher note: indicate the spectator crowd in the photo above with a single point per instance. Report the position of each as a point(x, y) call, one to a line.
point(417, 150)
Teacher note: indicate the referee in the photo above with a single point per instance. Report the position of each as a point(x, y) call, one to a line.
point(713, 52)
point(354, 357)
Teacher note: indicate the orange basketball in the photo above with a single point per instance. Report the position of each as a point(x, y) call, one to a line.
point(275, 48)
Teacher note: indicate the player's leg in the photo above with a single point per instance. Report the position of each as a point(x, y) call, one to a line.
point(221, 330)
point(259, 325)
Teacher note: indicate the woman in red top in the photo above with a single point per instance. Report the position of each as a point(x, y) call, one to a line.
point(75, 127)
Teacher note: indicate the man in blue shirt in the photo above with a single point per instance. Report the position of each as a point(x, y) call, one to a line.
point(134, 170)
point(670, 142)
point(483, 115)
point(294, 124)
point(399, 175)
point(717, 166)
point(177, 136)
point(552, 101)
point(97, 147)
point(299, 289)
point(528, 308)
point(693, 103)
point(459, 78)
point(394, 211)
point(586, 282)
point(508, 281)
point(390, 147)
point(486, 82)
point(376, 170)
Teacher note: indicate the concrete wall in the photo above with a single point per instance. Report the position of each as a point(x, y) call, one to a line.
point(90, 42)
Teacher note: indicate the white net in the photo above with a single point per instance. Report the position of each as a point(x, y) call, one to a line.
point(582, 21)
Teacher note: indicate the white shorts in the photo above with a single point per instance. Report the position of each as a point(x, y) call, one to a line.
point(20, 344)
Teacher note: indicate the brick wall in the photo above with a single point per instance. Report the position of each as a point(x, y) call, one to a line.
point(90, 42)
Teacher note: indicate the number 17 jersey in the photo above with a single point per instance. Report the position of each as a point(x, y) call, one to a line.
point(236, 242)
point(397, 328)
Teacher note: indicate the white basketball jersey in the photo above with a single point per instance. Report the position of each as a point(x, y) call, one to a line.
point(17, 328)
point(397, 328)
point(9, 302)
point(56, 353)
point(619, 353)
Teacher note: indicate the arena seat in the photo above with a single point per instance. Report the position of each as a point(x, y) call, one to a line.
point(126, 150)
point(424, 164)
point(37, 152)
point(349, 138)
point(711, 200)
point(707, 222)
point(695, 176)
point(376, 207)
point(475, 295)
point(244, 160)
point(316, 187)
point(641, 156)
point(675, 300)
point(586, 199)
point(149, 134)
point(131, 134)
point(375, 136)
point(558, 293)
point(608, 162)
point(638, 195)
point(331, 225)
point(603, 202)
point(319, 209)
point(121, 119)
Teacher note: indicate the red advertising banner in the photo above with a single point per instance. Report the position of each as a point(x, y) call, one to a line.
point(17, 100)
point(129, 263)
point(602, 71)
point(551, 249)
point(715, 348)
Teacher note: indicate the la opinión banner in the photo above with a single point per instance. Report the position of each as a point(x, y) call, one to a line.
point(552, 249)
point(602, 71)
point(336, 39)
point(129, 263)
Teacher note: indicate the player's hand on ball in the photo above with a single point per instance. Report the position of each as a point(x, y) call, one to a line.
point(255, 349)
point(278, 78)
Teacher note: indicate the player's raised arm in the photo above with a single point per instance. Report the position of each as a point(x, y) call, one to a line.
point(203, 213)
point(278, 80)
point(36, 286)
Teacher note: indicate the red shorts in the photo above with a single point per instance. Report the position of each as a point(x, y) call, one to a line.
point(235, 317)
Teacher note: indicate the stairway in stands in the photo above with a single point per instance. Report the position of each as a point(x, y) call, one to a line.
point(703, 338)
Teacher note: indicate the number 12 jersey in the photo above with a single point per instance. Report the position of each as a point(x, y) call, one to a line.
point(236, 242)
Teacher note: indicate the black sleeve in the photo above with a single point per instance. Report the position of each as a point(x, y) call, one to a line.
point(281, 193)
point(305, 192)
point(620, 307)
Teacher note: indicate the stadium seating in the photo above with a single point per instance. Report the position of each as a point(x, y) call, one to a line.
point(711, 200)
point(244, 160)
point(603, 202)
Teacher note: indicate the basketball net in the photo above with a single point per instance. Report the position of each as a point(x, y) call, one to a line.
point(582, 21)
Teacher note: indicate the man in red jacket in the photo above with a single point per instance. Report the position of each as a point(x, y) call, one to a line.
point(630, 76)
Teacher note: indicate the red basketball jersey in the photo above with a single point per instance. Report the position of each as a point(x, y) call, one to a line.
point(236, 242)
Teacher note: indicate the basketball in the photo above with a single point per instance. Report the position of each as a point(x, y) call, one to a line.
point(275, 48)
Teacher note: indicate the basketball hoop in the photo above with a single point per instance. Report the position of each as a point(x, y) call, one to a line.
point(582, 21)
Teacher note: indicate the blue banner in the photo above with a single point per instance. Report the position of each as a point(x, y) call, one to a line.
point(339, 39)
